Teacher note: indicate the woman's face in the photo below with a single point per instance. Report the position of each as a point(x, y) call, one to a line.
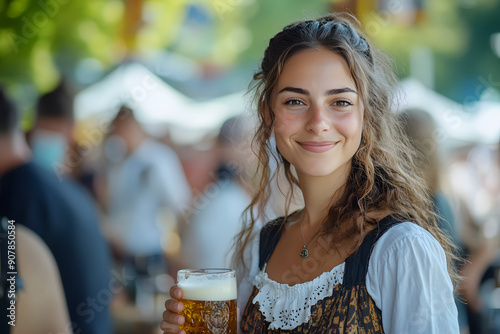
point(318, 114)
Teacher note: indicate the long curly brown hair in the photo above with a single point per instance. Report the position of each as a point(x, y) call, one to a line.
point(383, 174)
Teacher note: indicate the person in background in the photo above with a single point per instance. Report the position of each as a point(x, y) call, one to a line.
point(145, 183)
point(207, 238)
point(65, 218)
point(476, 178)
point(39, 294)
point(52, 132)
point(421, 131)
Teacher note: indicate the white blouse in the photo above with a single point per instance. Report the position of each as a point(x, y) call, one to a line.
point(407, 279)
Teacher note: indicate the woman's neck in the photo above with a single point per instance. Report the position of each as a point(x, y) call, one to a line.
point(320, 193)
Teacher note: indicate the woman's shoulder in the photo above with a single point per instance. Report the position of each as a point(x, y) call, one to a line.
point(405, 231)
point(407, 240)
point(409, 264)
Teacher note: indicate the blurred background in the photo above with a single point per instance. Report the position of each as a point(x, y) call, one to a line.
point(182, 69)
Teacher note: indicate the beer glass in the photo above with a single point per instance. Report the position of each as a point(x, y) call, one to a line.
point(209, 298)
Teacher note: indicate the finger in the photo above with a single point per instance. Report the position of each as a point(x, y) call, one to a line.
point(176, 292)
point(174, 305)
point(169, 328)
point(173, 318)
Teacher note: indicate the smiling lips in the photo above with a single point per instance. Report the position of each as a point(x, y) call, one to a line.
point(318, 146)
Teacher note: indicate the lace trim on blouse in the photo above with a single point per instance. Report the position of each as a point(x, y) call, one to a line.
point(287, 307)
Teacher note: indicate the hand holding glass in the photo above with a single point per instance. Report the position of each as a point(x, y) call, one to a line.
point(209, 298)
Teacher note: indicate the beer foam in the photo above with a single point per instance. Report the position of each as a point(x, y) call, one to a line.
point(208, 290)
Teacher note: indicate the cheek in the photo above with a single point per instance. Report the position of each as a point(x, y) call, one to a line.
point(351, 128)
point(284, 124)
point(284, 128)
point(281, 136)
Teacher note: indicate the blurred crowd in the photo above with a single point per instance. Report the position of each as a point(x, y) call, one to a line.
point(119, 215)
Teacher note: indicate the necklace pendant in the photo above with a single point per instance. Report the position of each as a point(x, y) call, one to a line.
point(304, 253)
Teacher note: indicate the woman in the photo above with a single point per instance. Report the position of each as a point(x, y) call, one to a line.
point(364, 255)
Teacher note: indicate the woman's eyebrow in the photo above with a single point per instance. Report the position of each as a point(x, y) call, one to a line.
point(340, 91)
point(328, 92)
point(294, 90)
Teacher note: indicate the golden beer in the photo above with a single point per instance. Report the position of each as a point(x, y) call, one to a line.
point(209, 298)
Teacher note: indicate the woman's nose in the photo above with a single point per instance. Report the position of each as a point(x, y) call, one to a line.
point(318, 120)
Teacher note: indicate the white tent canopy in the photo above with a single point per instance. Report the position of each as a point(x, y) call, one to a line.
point(207, 117)
point(451, 117)
point(479, 124)
point(156, 104)
point(132, 84)
point(487, 122)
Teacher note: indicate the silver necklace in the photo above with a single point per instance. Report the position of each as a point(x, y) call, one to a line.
point(304, 253)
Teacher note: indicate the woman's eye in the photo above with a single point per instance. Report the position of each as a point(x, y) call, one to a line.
point(293, 102)
point(342, 103)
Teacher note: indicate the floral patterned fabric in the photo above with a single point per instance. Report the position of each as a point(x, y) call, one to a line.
point(350, 311)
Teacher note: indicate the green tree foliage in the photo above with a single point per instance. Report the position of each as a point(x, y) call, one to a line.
point(40, 39)
point(269, 17)
point(237, 31)
point(467, 74)
point(458, 34)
